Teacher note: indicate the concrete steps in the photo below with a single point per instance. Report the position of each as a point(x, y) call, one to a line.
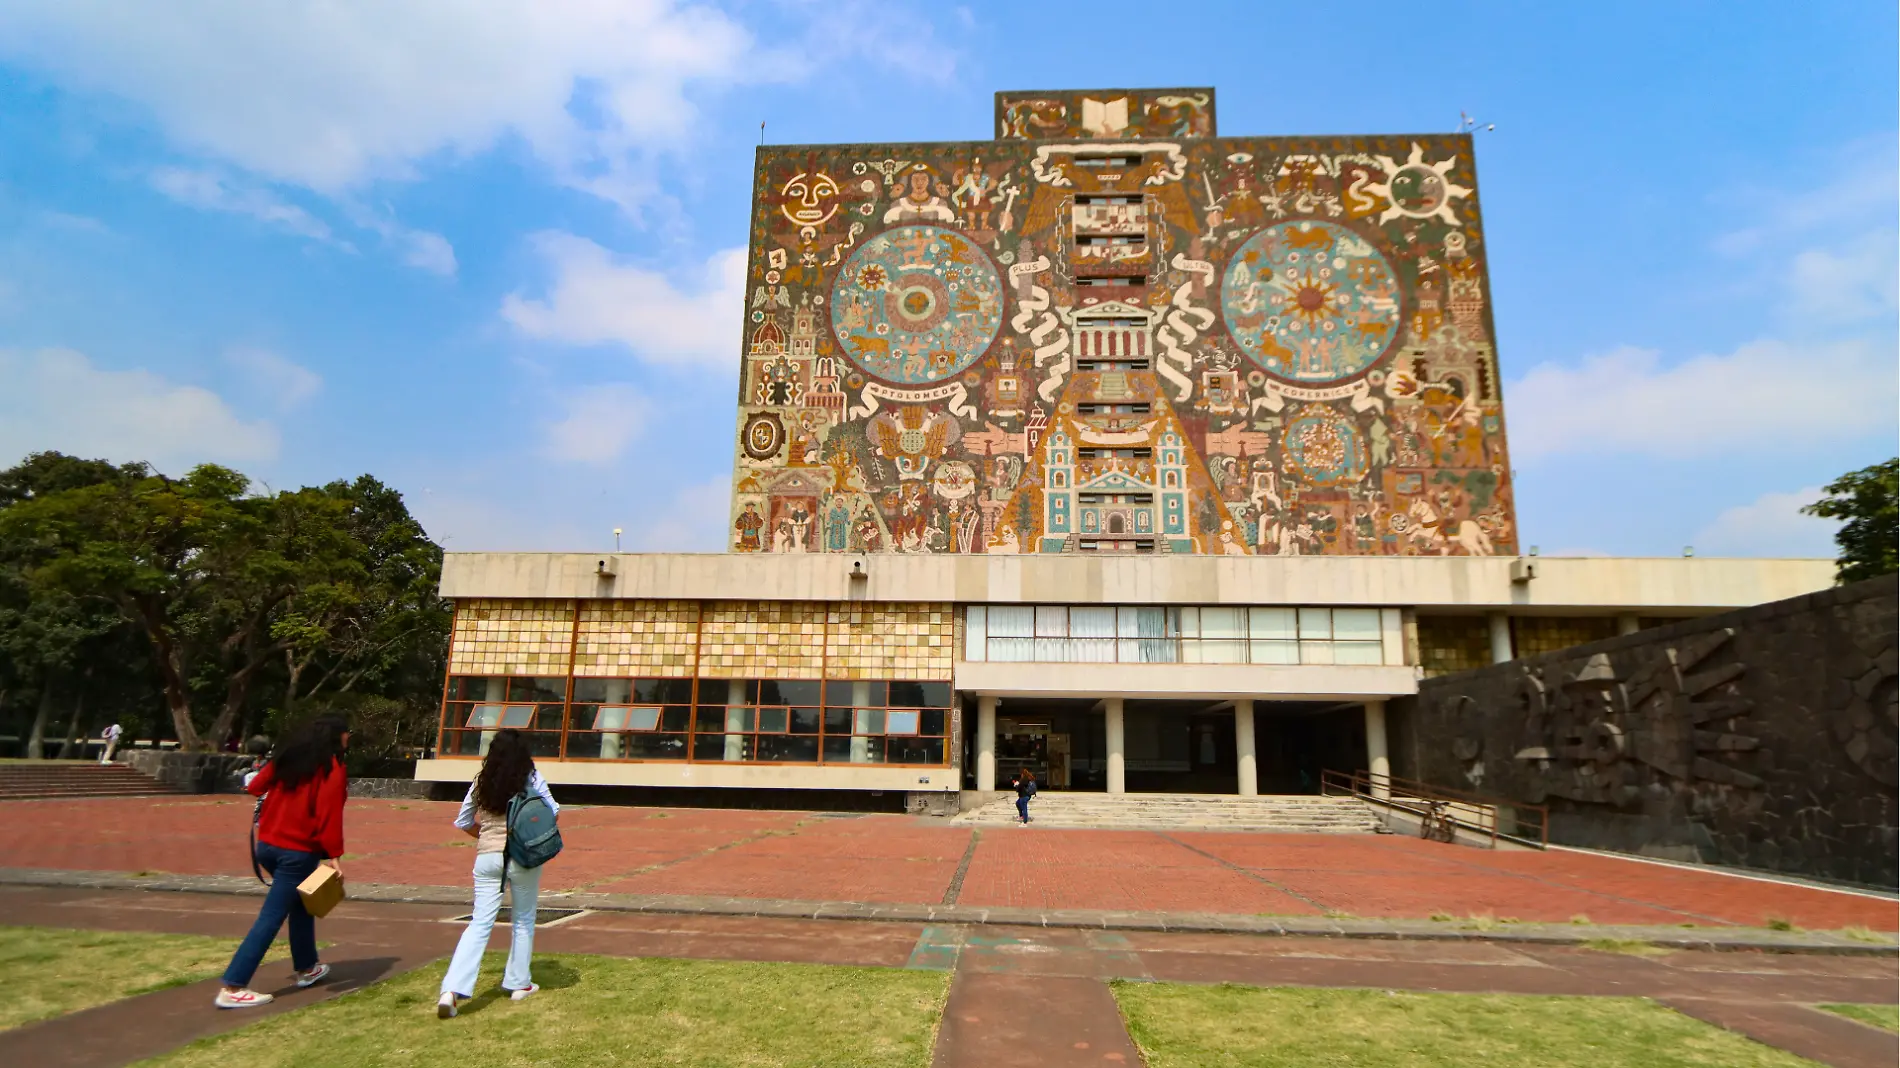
point(48, 779)
point(1278, 814)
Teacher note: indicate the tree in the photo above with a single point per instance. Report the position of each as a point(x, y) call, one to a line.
point(44, 639)
point(246, 602)
point(1868, 503)
point(369, 630)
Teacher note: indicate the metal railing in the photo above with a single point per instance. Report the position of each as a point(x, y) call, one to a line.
point(1442, 811)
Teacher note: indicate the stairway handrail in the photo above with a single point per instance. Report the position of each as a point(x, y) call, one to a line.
point(1378, 788)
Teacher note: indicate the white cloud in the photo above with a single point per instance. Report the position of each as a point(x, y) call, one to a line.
point(1771, 525)
point(287, 383)
point(1852, 282)
point(601, 421)
point(693, 522)
point(1627, 401)
point(57, 399)
point(425, 250)
point(595, 298)
point(1823, 257)
point(212, 192)
point(331, 94)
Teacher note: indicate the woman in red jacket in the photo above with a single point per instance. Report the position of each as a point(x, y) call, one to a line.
point(301, 826)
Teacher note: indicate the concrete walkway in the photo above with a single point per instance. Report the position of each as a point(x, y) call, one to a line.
point(1021, 995)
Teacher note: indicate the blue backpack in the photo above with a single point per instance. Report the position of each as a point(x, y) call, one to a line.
point(533, 837)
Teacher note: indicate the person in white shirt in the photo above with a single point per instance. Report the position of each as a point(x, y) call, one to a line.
point(507, 771)
point(112, 743)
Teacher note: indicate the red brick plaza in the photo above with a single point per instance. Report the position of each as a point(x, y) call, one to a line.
point(901, 859)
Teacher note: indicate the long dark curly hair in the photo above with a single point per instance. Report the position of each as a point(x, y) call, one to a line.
point(309, 750)
point(505, 771)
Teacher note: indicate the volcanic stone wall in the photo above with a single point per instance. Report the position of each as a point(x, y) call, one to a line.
point(1762, 738)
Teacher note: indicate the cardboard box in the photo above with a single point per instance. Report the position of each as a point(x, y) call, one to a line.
point(322, 891)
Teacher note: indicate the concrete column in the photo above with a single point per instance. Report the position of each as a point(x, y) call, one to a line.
point(1117, 745)
point(735, 719)
point(1500, 637)
point(1243, 747)
point(1627, 623)
point(860, 744)
point(986, 743)
point(1376, 760)
point(496, 691)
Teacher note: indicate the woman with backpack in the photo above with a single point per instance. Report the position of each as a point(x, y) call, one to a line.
point(1025, 784)
point(299, 826)
point(507, 773)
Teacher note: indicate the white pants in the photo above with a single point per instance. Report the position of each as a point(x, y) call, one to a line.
point(111, 744)
point(466, 966)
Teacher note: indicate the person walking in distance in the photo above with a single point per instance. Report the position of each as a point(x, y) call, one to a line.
point(112, 743)
point(1025, 784)
point(300, 825)
point(507, 772)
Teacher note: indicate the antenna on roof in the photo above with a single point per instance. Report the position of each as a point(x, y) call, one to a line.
point(1467, 124)
point(761, 134)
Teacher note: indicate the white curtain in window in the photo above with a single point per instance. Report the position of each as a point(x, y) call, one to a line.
point(1355, 624)
point(1092, 635)
point(1012, 621)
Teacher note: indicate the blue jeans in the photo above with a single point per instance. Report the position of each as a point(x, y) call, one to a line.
point(1022, 808)
point(288, 868)
point(465, 967)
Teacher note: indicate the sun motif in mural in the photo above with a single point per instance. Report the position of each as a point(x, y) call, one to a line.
point(1310, 301)
point(917, 304)
point(1416, 189)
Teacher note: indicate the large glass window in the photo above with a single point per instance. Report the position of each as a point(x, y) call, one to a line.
point(766, 720)
point(1199, 635)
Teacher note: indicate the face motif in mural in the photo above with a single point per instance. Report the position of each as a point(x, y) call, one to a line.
point(809, 199)
point(916, 305)
point(1311, 302)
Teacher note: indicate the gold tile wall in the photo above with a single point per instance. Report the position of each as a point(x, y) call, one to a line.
point(891, 641)
point(1453, 643)
point(732, 639)
point(495, 637)
point(762, 639)
point(1534, 635)
point(642, 639)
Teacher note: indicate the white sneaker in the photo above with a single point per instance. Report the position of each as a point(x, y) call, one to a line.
point(314, 976)
point(241, 999)
point(445, 1007)
point(524, 993)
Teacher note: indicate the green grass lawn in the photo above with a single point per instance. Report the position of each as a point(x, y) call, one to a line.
point(51, 971)
point(608, 1010)
point(1179, 1026)
point(1882, 1016)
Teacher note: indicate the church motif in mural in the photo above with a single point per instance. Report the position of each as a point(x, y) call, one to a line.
point(1111, 331)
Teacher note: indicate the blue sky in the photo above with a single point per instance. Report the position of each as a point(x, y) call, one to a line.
point(488, 252)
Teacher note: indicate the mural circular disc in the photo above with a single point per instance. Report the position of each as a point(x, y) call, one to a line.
point(1311, 302)
point(1326, 447)
point(762, 436)
point(916, 304)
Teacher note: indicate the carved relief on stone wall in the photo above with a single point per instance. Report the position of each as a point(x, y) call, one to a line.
point(1672, 724)
point(1866, 724)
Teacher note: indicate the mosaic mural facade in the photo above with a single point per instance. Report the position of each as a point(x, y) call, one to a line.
point(1111, 331)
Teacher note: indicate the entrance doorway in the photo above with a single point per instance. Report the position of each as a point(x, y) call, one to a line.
point(1064, 742)
point(1294, 741)
point(1180, 747)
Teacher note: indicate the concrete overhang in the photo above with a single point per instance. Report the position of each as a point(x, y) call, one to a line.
point(1603, 584)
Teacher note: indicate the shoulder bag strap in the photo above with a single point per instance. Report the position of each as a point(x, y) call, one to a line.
point(508, 833)
point(257, 814)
